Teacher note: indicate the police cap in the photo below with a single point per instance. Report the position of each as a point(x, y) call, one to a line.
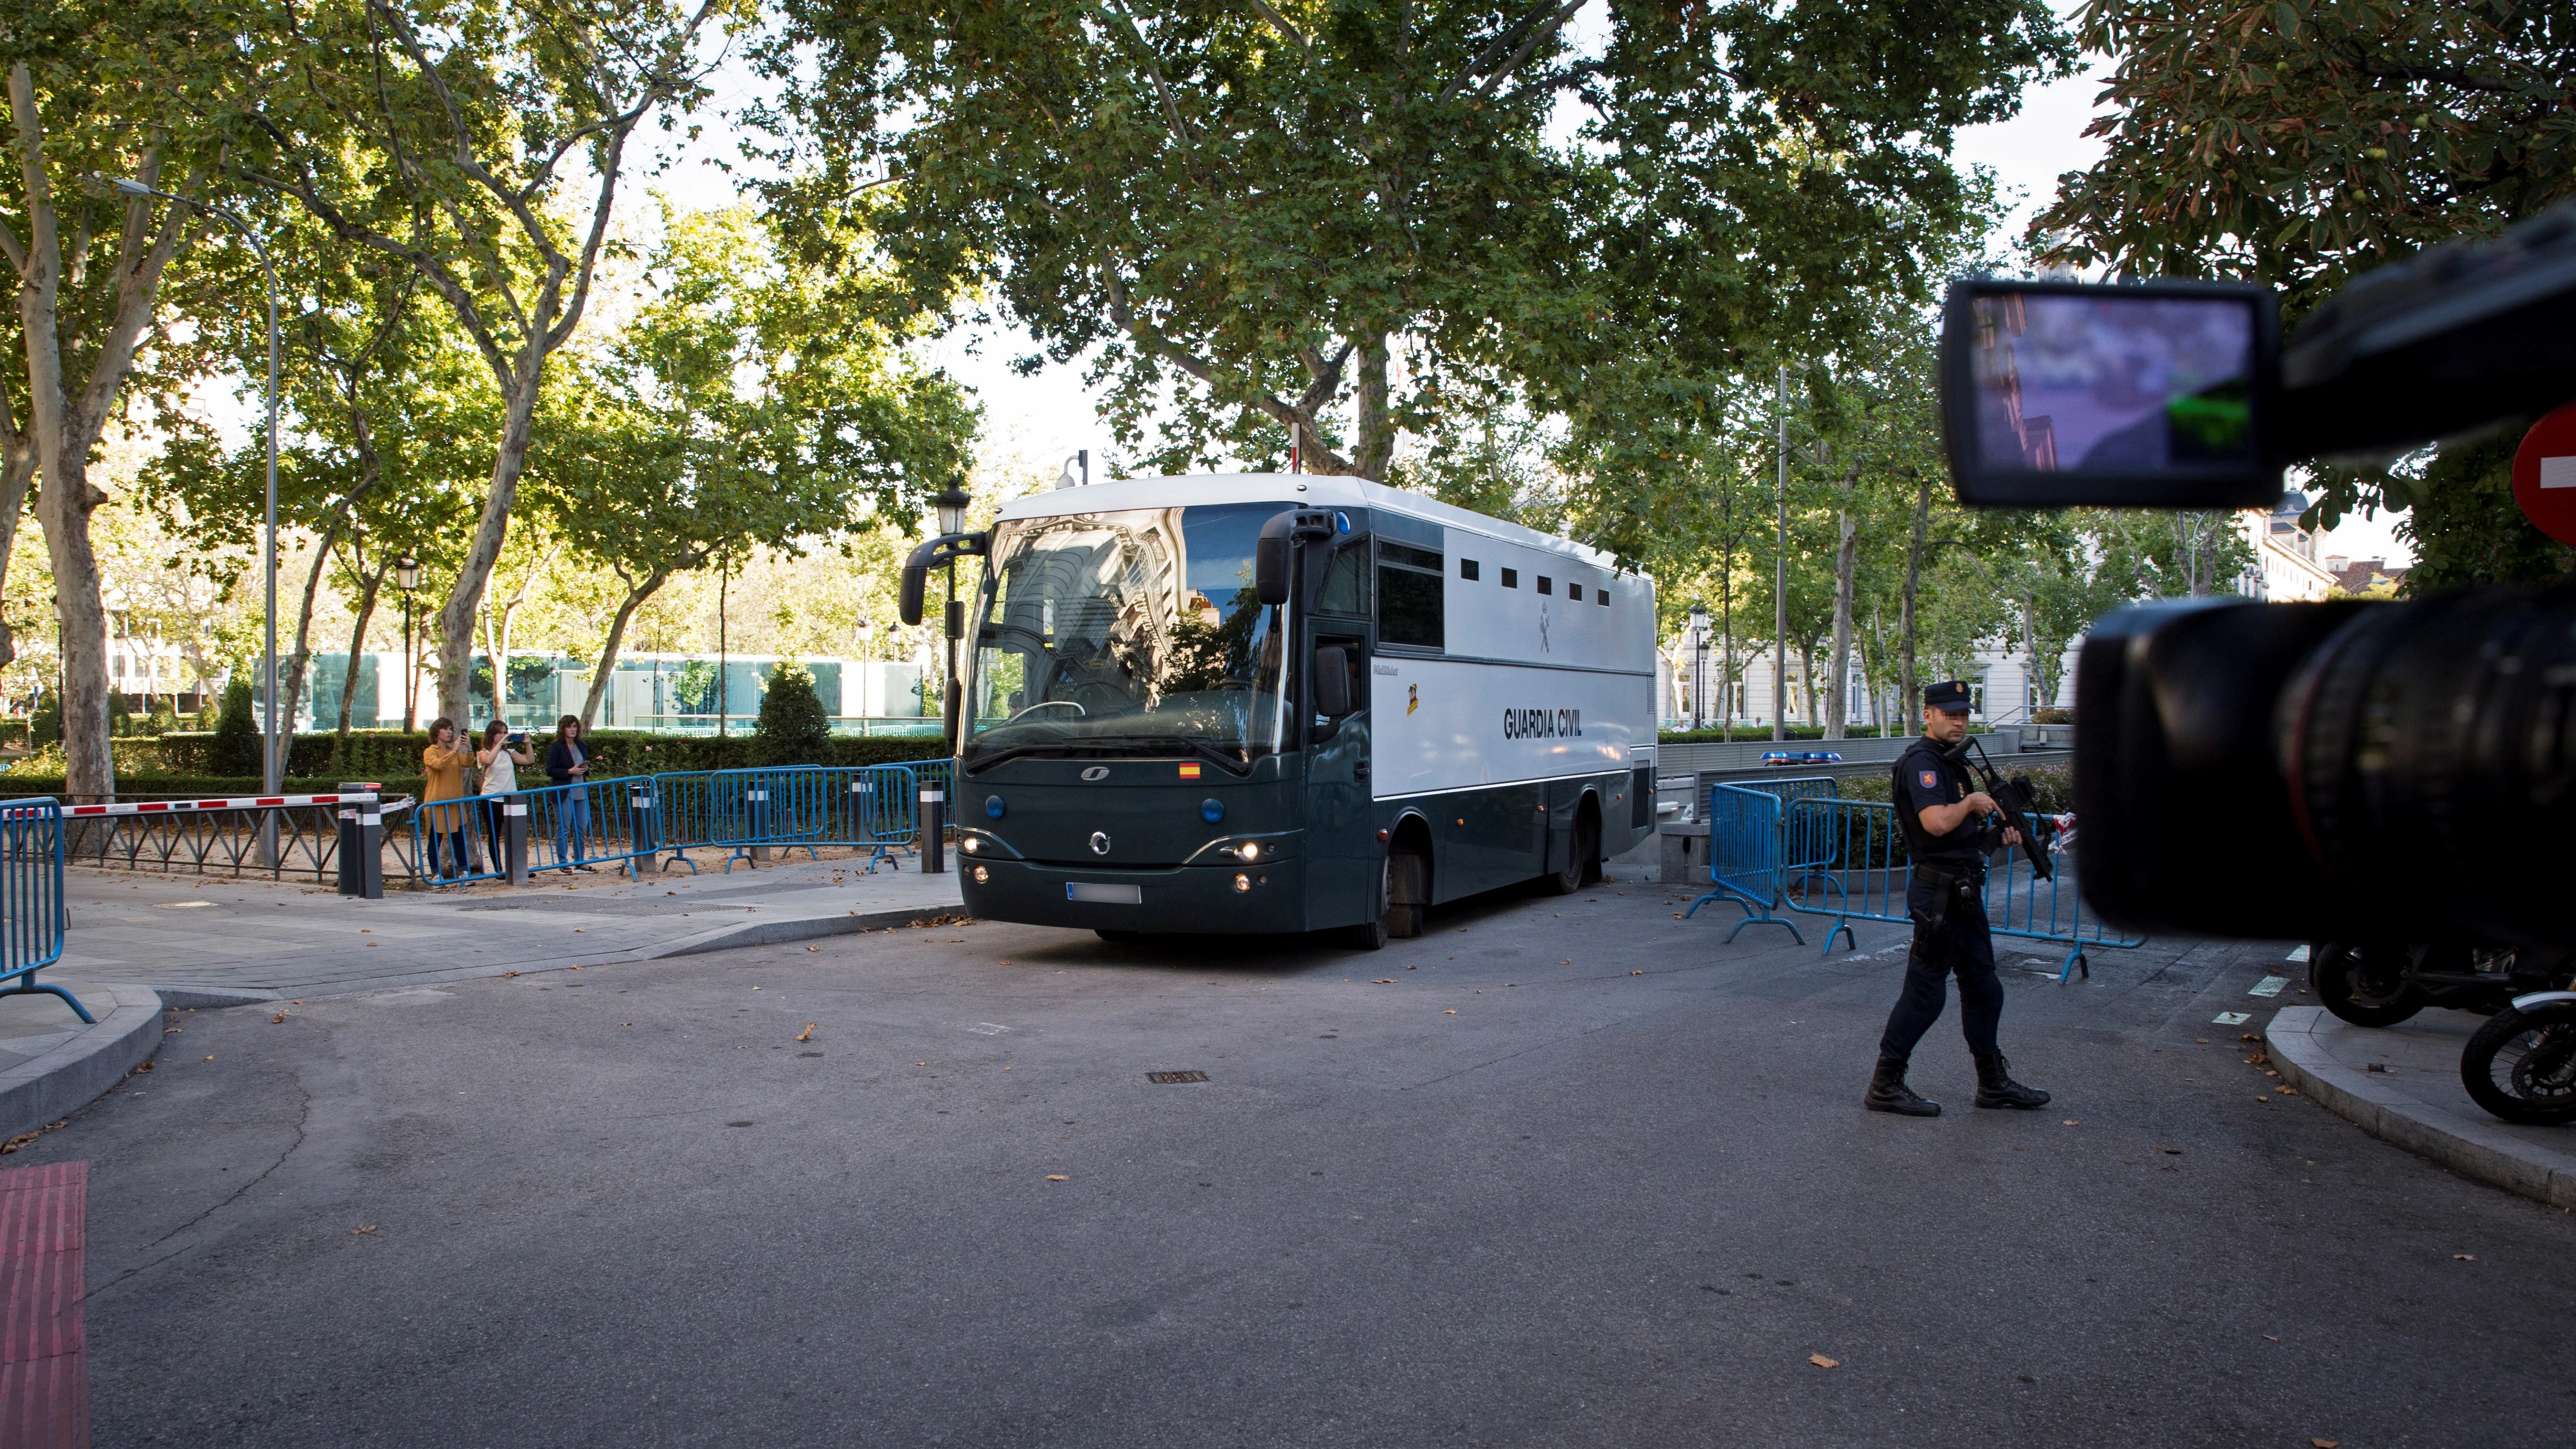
point(1950, 696)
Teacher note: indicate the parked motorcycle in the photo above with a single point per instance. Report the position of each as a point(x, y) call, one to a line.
point(2521, 1065)
point(2380, 985)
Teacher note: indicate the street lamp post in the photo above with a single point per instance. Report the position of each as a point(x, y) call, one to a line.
point(273, 761)
point(1699, 661)
point(407, 575)
point(951, 504)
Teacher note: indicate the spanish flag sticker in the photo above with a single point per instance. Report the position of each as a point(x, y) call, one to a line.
point(1190, 771)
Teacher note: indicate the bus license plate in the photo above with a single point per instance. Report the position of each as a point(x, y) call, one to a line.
point(1104, 895)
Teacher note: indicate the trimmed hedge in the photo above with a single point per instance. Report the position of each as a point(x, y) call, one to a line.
point(1749, 734)
point(383, 754)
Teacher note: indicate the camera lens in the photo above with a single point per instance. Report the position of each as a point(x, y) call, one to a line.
point(2429, 755)
point(2333, 770)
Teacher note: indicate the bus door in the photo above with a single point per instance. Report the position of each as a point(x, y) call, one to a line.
point(1344, 860)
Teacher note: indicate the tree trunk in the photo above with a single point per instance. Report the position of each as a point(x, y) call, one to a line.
point(635, 598)
point(1374, 442)
point(17, 470)
point(291, 689)
point(1846, 562)
point(66, 426)
point(1906, 686)
point(368, 585)
point(465, 599)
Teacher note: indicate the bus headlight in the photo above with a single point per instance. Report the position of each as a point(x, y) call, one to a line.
point(970, 845)
point(982, 875)
point(1243, 883)
point(1248, 850)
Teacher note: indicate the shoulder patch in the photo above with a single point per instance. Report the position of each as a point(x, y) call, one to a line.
point(1930, 780)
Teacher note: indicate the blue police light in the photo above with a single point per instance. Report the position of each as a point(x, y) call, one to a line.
point(1211, 810)
point(993, 806)
point(1341, 523)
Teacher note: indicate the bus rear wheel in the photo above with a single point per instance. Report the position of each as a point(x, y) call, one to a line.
point(1583, 861)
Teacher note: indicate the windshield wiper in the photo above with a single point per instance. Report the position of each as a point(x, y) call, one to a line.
point(1124, 744)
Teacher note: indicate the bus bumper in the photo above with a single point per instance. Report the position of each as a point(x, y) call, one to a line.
point(1180, 900)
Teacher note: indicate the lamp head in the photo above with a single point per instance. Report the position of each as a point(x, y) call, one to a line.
point(951, 504)
point(1699, 618)
point(407, 573)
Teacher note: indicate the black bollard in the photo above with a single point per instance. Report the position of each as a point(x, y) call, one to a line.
point(934, 830)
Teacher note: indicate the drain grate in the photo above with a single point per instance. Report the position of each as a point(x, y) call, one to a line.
point(1165, 1079)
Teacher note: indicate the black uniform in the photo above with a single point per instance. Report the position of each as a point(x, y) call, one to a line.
point(1946, 897)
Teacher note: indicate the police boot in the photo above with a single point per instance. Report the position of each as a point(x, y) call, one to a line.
point(1996, 1088)
point(1888, 1092)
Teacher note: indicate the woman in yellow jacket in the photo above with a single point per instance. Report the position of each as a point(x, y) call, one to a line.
point(444, 764)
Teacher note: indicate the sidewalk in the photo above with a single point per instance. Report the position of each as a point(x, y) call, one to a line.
point(2402, 1084)
point(255, 940)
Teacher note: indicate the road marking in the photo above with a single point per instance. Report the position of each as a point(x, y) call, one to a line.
point(2268, 986)
point(2232, 1018)
point(987, 1028)
point(2300, 954)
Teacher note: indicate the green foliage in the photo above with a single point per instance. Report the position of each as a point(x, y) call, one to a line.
point(46, 727)
point(2466, 528)
point(234, 747)
point(1262, 220)
point(794, 728)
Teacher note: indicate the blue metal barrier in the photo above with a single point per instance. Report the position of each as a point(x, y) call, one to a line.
point(634, 819)
point(31, 899)
point(1747, 844)
point(1865, 869)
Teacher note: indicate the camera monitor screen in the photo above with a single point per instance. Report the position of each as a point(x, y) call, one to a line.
point(2109, 394)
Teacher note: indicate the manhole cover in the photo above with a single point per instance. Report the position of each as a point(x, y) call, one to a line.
point(1165, 1079)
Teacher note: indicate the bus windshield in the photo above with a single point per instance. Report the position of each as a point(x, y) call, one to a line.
point(1132, 632)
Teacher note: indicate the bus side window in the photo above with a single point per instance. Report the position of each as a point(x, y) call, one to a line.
point(1408, 597)
point(1346, 583)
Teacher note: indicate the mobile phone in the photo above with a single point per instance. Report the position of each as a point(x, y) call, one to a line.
point(519, 737)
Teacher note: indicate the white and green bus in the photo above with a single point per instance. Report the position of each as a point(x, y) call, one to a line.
point(1266, 703)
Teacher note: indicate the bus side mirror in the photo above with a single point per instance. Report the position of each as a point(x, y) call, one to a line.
point(1332, 682)
point(1270, 558)
point(916, 576)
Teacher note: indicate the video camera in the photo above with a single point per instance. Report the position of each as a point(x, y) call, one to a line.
point(2331, 769)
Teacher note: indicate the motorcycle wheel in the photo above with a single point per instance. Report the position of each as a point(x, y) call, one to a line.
point(2521, 1066)
point(2363, 990)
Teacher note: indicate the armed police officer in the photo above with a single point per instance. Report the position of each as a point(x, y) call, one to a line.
point(1944, 821)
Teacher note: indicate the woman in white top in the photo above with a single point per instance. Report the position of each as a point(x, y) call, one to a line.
point(500, 765)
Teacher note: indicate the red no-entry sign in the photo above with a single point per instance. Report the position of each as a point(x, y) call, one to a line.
point(2544, 475)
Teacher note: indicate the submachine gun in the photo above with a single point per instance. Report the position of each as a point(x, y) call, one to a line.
point(2013, 798)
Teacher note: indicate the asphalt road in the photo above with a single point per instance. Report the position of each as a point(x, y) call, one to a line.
point(1494, 1186)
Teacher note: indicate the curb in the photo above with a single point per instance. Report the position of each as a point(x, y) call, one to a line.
point(802, 928)
point(75, 1074)
point(2465, 1145)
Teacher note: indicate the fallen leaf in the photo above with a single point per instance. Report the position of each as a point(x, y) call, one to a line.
point(2071, 1122)
point(2262, 1099)
point(2455, 1257)
point(210, 1059)
point(362, 1228)
point(2285, 1091)
point(573, 968)
point(274, 1020)
point(509, 973)
point(1451, 1012)
point(1820, 1361)
point(1006, 963)
point(1382, 981)
point(1636, 973)
point(808, 1033)
point(2204, 1041)
point(813, 948)
point(2325, 1443)
point(1565, 963)
point(2250, 1036)
point(2170, 1151)
point(1058, 1177)
point(2271, 1338)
